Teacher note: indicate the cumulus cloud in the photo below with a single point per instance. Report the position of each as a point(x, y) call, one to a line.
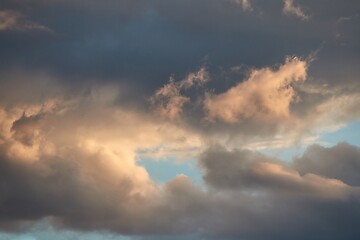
point(291, 9)
point(249, 195)
point(15, 21)
point(54, 167)
point(266, 95)
point(83, 174)
point(273, 107)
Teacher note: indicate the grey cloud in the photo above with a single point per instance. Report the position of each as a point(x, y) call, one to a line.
point(224, 169)
point(56, 188)
point(24, 129)
point(244, 169)
point(177, 38)
point(341, 162)
point(248, 195)
point(280, 201)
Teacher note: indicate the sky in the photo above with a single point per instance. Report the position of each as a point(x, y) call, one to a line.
point(182, 119)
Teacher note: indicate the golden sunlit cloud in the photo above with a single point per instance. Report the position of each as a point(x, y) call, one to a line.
point(265, 96)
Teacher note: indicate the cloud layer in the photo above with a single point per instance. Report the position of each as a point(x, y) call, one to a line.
point(90, 90)
point(90, 183)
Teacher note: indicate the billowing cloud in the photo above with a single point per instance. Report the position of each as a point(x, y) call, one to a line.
point(291, 9)
point(83, 112)
point(79, 178)
point(90, 185)
point(73, 162)
point(266, 95)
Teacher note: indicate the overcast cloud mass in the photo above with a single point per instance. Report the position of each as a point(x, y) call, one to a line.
point(94, 92)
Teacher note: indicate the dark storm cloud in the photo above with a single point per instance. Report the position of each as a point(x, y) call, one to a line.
point(148, 41)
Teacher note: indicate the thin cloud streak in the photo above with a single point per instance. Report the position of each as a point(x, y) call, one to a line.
point(15, 21)
point(291, 9)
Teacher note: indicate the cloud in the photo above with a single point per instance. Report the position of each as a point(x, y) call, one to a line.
point(84, 175)
point(15, 21)
point(246, 5)
point(75, 118)
point(275, 197)
point(291, 9)
point(78, 178)
point(325, 108)
point(265, 95)
point(341, 162)
point(244, 169)
point(169, 101)
point(271, 108)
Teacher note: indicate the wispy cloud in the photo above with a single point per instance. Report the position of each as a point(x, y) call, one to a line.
point(290, 8)
point(246, 4)
point(169, 101)
point(16, 21)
